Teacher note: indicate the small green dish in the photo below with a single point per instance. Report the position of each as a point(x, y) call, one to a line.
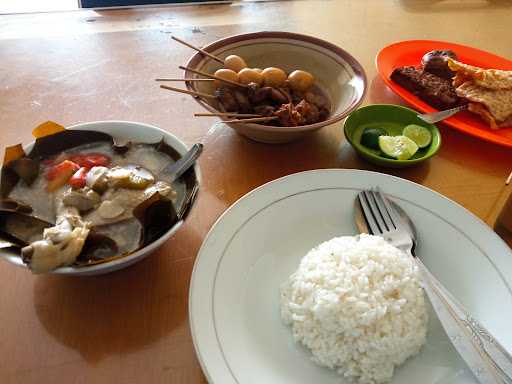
point(393, 119)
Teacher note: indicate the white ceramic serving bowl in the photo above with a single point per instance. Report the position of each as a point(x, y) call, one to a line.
point(129, 131)
point(337, 74)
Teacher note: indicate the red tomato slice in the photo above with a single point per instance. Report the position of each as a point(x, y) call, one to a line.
point(59, 174)
point(64, 167)
point(89, 160)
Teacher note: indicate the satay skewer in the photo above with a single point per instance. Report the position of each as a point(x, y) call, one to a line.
point(509, 179)
point(198, 49)
point(227, 114)
point(186, 79)
point(197, 94)
point(198, 72)
point(254, 120)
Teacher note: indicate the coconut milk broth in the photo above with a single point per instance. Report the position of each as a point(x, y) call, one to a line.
point(144, 155)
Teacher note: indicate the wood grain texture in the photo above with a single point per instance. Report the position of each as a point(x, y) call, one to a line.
point(131, 326)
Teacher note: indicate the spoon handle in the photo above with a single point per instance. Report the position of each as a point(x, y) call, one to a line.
point(435, 117)
point(486, 358)
point(175, 170)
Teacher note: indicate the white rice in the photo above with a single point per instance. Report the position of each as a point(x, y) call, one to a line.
point(357, 304)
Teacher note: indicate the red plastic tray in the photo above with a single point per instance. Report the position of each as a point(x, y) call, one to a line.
point(410, 52)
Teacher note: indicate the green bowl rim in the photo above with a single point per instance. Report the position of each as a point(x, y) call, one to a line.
point(360, 148)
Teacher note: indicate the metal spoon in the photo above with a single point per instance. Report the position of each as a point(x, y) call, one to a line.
point(175, 170)
point(435, 117)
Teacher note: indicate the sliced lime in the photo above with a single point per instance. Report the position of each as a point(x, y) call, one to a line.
point(420, 135)
point(370, 137)
point(399, 147)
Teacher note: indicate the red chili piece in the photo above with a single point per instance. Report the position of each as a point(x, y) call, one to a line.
point(64, 167)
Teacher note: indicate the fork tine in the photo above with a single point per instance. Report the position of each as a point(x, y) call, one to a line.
point(376, 213)
point(379, 200)
point(393, 215)
point(368, 215)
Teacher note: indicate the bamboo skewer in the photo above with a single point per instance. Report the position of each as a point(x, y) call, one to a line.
point(198, 72)
point(178, 79)
point(197, 94)
point(255, 120)
point(509, 179)
point(228, 114)
point(198, 50)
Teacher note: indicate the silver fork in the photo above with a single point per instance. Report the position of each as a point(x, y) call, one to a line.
point(487, 359)
point(435, 117)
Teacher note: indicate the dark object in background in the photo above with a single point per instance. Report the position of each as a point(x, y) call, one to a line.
point(124, 3)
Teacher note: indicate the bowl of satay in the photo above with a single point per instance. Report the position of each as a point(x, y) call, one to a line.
point(273, 87)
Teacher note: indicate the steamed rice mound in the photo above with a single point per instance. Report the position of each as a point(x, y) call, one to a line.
point(357, 304)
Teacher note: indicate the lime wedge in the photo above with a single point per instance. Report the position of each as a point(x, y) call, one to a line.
point(399, 147)
point(370, 137)
point(420, 135)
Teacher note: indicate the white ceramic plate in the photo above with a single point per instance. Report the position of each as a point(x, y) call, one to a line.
point(259, 241)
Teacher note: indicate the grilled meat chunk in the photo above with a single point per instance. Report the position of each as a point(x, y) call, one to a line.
point(289, 116)
point(228, 100)
point(432, 89)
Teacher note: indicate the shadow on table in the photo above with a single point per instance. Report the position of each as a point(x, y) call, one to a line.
point(441, 6)
point(468, 151)
point(234, 159)
point(249, 164)
point(348, 158)
point(380, 93)
point(118, 312)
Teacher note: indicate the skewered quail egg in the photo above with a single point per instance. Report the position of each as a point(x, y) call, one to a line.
point(250, 75)
point(273, 77)
point(300, 80)
point(235, 63)
point(227, 74)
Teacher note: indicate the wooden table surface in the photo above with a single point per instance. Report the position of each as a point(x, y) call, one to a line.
point(132, 326)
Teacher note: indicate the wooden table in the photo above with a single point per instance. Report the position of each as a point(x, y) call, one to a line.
point(132, 326)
